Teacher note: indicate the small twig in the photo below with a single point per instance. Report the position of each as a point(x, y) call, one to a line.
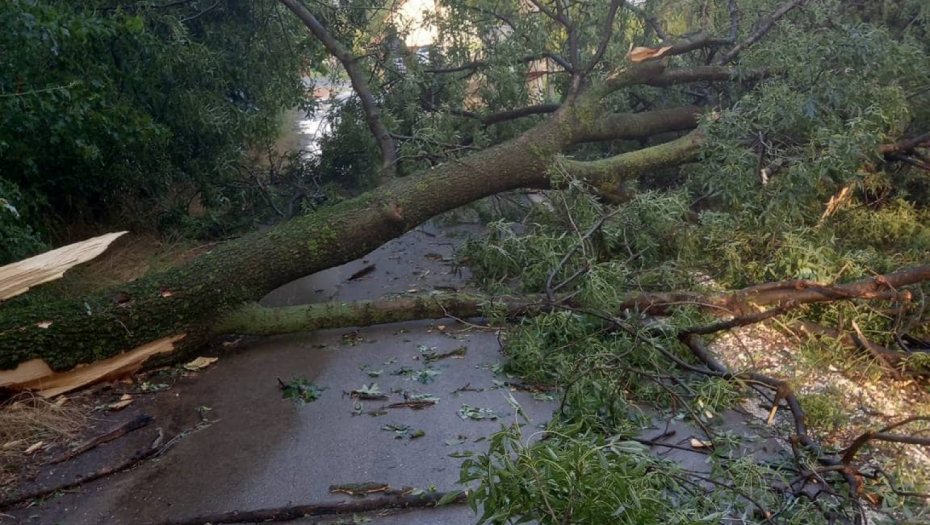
point(849, 454)
point(362, 273)
point(136, 423)
point(415, 405)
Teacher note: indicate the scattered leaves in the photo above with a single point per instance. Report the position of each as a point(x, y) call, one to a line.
point(369, 393)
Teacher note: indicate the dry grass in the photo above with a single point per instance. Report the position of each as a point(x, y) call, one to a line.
point(27, 420)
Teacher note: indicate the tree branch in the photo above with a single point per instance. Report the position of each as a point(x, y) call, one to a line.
point(296, 512)
point(359, 84)
point(628, 126)
point(906, 145)
point(648, 19)
point(513, 114)
point(480, 64)
point(490, 119)
point(764, 27)
point(627, 166)
point(882, 435)
point(258, 320)
point(705, 74)
point(607, 35)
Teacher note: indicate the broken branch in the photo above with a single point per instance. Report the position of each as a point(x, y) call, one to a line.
point(135, 423)
point(295, 512)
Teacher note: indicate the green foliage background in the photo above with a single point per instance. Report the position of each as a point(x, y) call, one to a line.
point(118, 111)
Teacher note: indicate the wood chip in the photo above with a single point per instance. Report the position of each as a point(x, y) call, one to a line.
point(200, 363)
point(641, 54)
point(34, 447)
point(699, 444)
point(12, 444)
point(121, 404)
point(53, 384)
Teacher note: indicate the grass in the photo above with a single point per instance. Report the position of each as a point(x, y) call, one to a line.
point(26, 420)
point(826, 411)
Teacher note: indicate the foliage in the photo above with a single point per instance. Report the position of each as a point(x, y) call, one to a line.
point(18, 239)
point(574, 477)
point(130, 111)
point(824, 411)
point(300, 390)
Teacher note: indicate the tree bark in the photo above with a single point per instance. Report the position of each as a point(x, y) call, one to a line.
point(258, 320)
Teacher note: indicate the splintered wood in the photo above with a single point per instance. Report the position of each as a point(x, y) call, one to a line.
point(19, 277)
point(52, 384)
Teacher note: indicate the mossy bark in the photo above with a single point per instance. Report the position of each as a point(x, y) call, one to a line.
point(258, 320)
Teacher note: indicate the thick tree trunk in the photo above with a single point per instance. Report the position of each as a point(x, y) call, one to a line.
point(188, 298)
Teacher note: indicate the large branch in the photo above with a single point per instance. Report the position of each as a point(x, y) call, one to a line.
point(706, 74)
point(628, 166)
point(258, 320)
point(630, 126)
point(359, 84)
point(189, 298)
point(796, 292)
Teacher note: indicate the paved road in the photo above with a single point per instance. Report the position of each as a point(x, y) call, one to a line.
point(264, 451)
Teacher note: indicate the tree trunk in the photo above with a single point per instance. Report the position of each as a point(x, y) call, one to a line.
point(188, 298)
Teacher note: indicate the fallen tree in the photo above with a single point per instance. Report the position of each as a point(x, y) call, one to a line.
point(598, 69)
